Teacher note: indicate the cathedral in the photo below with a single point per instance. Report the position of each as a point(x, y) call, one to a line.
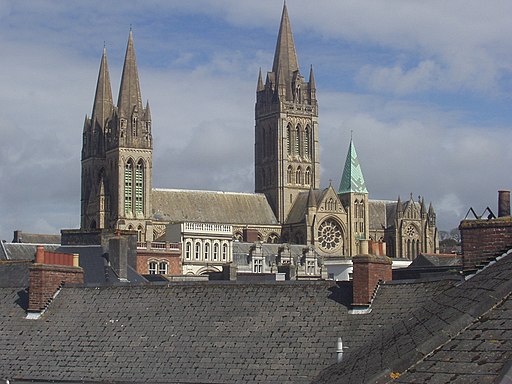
point(289, 209)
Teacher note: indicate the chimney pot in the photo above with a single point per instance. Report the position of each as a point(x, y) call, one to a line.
point(364, 247)
point(503, 203)
point(76, 259)
point(40, 254)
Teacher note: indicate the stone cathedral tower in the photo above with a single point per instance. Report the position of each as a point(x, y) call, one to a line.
point(117, 155)
point(286, 133)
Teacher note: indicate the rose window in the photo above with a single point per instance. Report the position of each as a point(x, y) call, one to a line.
point(410, 231)
point(329, 235)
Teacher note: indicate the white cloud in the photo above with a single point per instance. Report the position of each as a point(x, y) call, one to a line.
point(202, 88)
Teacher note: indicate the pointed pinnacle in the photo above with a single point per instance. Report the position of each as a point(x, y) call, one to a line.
point(260, 86)
point(312, 83)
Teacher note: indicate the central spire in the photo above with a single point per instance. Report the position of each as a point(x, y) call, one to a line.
point(285, 57)
point(129, 92)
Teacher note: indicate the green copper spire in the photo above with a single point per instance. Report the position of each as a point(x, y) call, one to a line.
point(352, 179)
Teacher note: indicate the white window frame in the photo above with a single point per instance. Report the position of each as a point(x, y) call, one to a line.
point(257, 265)
point(153, 267)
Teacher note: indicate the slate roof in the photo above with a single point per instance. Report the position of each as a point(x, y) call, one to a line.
point(22, 251)
point(13, 272)
point(453, 321)
point(186, 333)
point(95, 265)
point(417, 331)
point(299, 208)
point(36, 238)
point(175, 205)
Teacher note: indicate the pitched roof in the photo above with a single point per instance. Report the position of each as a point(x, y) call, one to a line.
point(352, 179)
point(300, 205)
point(451, 321)
point(211, 207)
point(23, 251)
point(194, 333)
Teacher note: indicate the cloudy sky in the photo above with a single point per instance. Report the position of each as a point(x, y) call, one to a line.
point(425, 86)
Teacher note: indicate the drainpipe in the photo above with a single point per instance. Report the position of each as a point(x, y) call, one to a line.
point(339, 350)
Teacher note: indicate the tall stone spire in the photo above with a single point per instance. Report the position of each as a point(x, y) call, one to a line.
point(285, 57)
point(102, 107)
point(129, 92)
point(352, 179)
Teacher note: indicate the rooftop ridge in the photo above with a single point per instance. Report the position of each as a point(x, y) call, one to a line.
point(207, 191)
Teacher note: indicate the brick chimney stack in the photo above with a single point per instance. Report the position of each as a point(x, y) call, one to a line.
point(49, 271)
point(368, 270)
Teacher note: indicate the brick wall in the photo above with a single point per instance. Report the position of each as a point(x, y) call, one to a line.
point(484, 239)
point(367, 272)
point(45, 279)
point(143, 259)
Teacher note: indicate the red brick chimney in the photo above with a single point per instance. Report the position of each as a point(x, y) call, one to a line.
point(368, 270)
point(49, 271)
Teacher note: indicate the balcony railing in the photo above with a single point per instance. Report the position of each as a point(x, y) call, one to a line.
point(159, 246)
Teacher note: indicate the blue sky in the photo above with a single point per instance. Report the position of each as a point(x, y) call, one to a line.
point(426, 88)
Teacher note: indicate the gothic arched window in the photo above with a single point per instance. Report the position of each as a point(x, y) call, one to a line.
point(307, 176)
point(298, 176)
point(139, 187)
point(297, 141)
point(128, 185)
point(288, 140)
point(289, 175)
point(307, 143)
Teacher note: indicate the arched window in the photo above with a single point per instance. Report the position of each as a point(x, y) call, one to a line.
point(298, 176)
point(307, 143)
point(128, 185)
point(215, 251)
point(197, 252)
point(163, 268)
point(140, 234)
point(224, 251)
point(289, 175)
point(288, 140)
point(297, 141)
point(152, 267)
point(139, 187)
point(307, 176)
point(206, 251)
point(273, 238)
point(188, 250)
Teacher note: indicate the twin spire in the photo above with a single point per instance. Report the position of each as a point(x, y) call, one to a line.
point(129, 91)
point(129, 100)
